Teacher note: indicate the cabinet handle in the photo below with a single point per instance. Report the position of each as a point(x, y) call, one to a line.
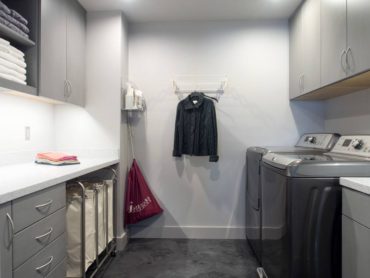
point(65, 90)
point(11, 222)
point(51, 259)
point(69, 88)
point(344, 67)
point(38, 207)
point(348, 55)
point(44, 235)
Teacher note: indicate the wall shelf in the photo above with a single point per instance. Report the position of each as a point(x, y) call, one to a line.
point(8, 85)
point(8, 33)
point(344, 87)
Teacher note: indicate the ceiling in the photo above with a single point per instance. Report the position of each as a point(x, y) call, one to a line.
point(191, 10)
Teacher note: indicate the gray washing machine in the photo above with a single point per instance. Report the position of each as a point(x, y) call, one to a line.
point(301, 208)
point(308, 143)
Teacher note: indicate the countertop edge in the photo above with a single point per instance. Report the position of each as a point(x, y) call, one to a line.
point(355, 184)
point(32, 188)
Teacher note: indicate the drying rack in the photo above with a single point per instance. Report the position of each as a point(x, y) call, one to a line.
point(210, 85)
point(110, 249)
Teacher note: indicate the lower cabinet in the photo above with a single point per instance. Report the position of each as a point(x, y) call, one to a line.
point(355, 235)
point(6, 240)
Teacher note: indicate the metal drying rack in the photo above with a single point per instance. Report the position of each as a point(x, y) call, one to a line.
point(110, 249)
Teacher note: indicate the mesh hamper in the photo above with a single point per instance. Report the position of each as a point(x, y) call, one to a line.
point(109, 184)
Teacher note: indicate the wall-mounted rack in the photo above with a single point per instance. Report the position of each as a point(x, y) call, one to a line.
point(207, 84)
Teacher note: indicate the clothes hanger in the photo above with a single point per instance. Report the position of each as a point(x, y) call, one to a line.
point(196, 94)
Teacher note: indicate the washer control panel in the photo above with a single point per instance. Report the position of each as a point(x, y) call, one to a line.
point(353, 145)
point(322, 141)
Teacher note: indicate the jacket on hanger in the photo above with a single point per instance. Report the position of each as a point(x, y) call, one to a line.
point(196, 127)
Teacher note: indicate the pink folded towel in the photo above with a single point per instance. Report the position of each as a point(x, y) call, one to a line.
point(56, 156)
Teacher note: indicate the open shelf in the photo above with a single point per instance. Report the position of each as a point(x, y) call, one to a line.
point(8, 33)
point(8, 85)
point(344, 87)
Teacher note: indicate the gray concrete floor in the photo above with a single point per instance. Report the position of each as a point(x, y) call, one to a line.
point(181, 258)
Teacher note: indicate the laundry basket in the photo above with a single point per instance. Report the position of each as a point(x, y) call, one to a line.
point(91, 215)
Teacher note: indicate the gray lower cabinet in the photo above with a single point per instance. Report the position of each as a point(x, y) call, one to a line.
point(62, 59)
point(6, 248)
point(355, 235)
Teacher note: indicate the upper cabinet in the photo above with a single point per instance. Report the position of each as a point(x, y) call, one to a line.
point(62, 62)
point(333, 41)
point(305, 49)
point(358, 28)
point(334, 54)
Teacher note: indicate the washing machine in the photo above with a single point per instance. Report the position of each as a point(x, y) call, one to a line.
point(301, 208)
point(308, 143)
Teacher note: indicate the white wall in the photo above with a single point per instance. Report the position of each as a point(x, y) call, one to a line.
point(15, 114)
point(203, 199)
point(349, 114)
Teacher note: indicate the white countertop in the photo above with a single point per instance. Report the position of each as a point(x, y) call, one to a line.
point(359, 184)
point(19, 180)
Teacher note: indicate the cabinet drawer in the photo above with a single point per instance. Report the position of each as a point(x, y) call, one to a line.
point(44, 262)
point(355, 249)
point(59, 271)
point(30, 209)
point(31, 240)
point(356, 205)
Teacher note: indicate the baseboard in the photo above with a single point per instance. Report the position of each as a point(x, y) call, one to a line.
point(122, 241)
point(189, 232)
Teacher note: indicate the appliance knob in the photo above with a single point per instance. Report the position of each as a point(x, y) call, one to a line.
point(311, 139)
point(357, 144)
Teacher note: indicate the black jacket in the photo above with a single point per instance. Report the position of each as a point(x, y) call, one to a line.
point(196, 127)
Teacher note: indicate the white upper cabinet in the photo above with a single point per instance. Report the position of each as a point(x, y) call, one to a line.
point(305, 49)
point(333, 41)
point(358, 26)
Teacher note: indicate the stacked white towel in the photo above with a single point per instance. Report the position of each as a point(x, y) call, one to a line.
point(12, 63)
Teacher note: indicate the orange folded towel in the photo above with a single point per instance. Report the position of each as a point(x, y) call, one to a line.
point(55, 156)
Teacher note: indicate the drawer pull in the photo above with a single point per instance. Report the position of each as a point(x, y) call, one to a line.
point(10, 220)
point(45, 265)
point(44, 235)
point(44, 205)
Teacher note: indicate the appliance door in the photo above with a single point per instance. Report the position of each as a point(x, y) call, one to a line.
point(253, 210)
point(274, 229)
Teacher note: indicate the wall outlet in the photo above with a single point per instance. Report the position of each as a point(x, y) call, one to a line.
point(27, 133)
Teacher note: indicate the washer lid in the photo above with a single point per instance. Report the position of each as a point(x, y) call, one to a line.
point(282, 161)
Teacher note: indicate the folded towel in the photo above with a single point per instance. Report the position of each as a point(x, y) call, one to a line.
point(12, 78)
point(56, 163)
point(14, 21)
point(5, 70)
point(12, 59)
point(19, 17)
point(56, 156)
point(12, 66)
point(9, 50)
point(11, 26)
point(16, 52)
point(4, 42)
point(5, 8)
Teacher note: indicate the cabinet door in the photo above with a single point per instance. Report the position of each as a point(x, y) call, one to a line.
point(311, 45)
point(333, 40)
point(76, 61)
point(296, 56)
point(53, 49)
point(6, 247)
point(358, 22)
point(355, 249)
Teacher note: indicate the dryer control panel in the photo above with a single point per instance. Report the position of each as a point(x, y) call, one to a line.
point(321, 141)
point(353, 145)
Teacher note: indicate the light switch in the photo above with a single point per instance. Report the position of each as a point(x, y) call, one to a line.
point(27, 133)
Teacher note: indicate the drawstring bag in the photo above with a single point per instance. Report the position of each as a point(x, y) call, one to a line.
point(140, 202)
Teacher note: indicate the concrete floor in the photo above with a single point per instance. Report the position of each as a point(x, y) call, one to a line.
point(181, 258)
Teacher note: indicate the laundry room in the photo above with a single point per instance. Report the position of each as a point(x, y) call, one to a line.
point(181, 139)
